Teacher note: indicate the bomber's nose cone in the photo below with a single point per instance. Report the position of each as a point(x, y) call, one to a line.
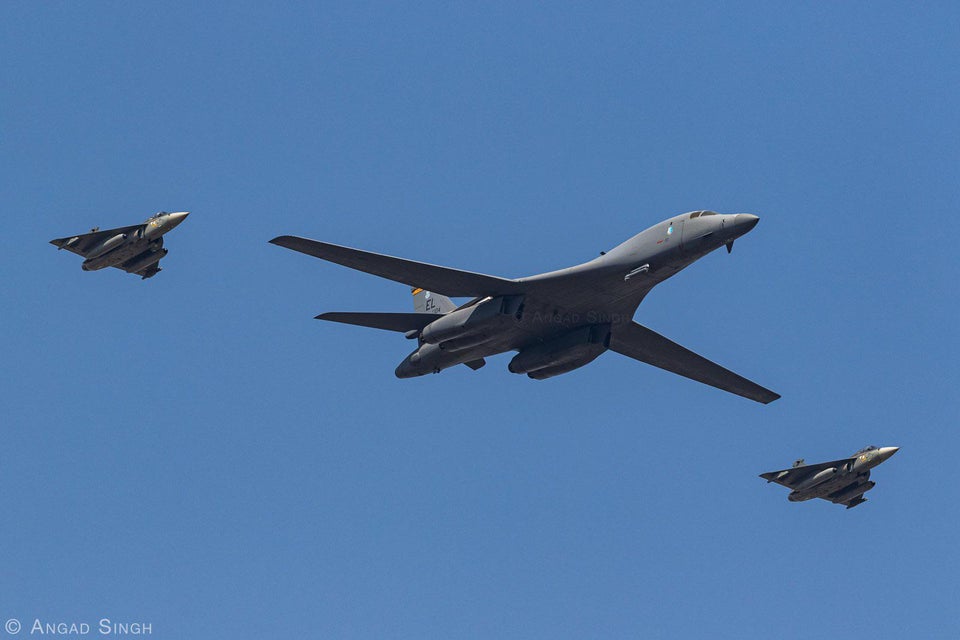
point(886, 452)
point(745, 221)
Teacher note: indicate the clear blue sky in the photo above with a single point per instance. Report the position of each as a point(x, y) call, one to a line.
point(195, 451)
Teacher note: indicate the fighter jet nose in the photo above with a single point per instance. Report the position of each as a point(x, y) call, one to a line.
point(745, 221)
point(886, 452)
point(173, 219)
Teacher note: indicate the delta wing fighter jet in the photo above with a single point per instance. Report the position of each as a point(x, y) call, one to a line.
point(557, 321)
point(840, 481)
point(135, 249)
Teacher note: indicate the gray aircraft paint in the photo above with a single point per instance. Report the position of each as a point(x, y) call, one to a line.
point(135, 249)
point(557, 321)
point(839, 481)
point(428, 302)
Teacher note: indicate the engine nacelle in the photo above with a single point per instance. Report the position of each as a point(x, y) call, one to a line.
point(427, 358)
point(551, 372)
point(466, 342)
point(852, 492)
point(144, 260)
point(487, 313)
point(823, 476)
point(560, 355)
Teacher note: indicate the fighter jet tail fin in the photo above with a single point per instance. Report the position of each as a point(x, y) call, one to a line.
point(401, 322)
point(442, 280)
point(640, 343)
point(428, 302)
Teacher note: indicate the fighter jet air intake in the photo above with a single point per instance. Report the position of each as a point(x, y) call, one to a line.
point(135, 249)
point(840, 481)
point(557, 321)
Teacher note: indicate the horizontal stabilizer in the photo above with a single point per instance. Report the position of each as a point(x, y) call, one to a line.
point(401, 322)
point(442, 280)
point(638, 342)
point(476, 364)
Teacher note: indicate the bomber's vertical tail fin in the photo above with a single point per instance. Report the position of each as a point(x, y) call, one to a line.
point(427, 302)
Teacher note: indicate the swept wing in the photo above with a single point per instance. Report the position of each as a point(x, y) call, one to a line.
point(792, 477)
point(83, 243)
point(442, 280)
point(640, 343)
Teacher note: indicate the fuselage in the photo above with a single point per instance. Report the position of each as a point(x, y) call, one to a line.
point(571, 310)
point(140, 246)
point(830, 482)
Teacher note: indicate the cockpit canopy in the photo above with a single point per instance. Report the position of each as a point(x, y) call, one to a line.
point(866, 449)
point(697, 214)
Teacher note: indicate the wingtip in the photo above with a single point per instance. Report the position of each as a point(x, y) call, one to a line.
point(765, 396)
point(279, 240)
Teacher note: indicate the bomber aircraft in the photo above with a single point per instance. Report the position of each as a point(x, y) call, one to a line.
point(557, 321)
point(839, 481)
point(134, 249)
